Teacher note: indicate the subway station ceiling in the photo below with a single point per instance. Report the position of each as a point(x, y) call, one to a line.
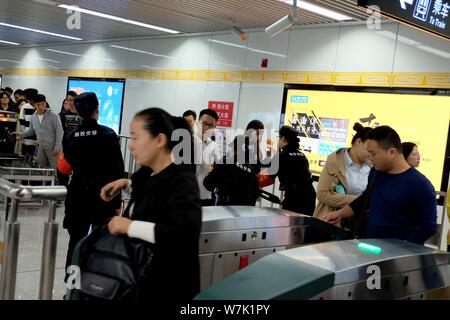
point(184, 16)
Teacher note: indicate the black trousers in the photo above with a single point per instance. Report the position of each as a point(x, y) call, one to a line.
point(76, 232)
point(206, 202)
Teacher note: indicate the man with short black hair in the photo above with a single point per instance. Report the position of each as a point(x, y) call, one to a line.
point(8, 91)
point(19, 95)
point(70, 119)
point(190, 117)
point(401, 200)
point(210, 151)
point(47, 127)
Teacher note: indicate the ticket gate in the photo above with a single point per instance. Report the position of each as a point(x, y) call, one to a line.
point(233, 237)
point(350, 269)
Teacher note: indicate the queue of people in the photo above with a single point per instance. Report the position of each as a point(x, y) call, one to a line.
point(374, 181)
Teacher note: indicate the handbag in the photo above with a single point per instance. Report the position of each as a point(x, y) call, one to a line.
point(112, 267)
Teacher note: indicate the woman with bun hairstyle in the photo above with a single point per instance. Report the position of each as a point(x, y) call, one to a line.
point(411, 154)
point(293, 173)
point(345, 174)
point(164, 209)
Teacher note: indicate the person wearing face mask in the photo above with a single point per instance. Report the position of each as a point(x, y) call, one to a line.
point(93, 153)
point(345, 174)
point(164, 209)
point(411, 154)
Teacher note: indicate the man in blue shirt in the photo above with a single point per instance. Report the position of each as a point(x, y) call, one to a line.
point(402, 201)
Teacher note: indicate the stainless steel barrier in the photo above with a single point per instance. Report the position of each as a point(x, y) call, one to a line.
point(344, 270)
point(128, 158)
point(15, 193)
point(233, 237)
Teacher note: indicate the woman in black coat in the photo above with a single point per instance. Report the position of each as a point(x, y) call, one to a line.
point(164, 209)
point(293, 173)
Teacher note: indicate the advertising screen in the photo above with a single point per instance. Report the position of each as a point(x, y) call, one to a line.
point(110, 93)
point(324, 120)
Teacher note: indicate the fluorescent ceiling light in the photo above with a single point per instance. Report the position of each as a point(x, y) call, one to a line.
point(78, 55)
point(6, 60)
point(437, 52)
point(115, 18)
point(39, 31)
point(248, 48)
point(49, 60)
point(142, 51)
point(319, 10)
point(9, 42)
point(131, 49)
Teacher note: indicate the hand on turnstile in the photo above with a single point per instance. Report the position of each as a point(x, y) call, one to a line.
point(333, 217)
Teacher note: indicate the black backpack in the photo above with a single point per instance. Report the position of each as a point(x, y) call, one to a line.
point(111, 267)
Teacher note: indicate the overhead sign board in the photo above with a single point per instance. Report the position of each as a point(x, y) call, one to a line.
point(428, 15)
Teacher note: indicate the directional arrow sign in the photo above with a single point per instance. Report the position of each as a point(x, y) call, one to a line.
point(428, 15)
point(404, 2)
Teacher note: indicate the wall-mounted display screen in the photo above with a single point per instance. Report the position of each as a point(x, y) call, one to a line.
point(325, 119)
point(110, 93)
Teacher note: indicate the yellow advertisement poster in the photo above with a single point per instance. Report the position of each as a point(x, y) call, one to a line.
point(325, 120)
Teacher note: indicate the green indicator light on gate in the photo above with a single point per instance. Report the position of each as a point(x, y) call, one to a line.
point(369, 248)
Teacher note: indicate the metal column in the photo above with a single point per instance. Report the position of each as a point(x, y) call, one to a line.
point(49, 255)
point(11, 250)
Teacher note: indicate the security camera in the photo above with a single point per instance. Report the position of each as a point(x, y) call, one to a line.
point(280, 26)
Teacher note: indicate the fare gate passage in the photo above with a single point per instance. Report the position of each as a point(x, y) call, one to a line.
point(233, 237)
point(350, 269)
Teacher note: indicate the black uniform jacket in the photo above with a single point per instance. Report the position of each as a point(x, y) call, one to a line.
point(295, 180)
point(171, 200)
point(94, 153)
point(236, 183)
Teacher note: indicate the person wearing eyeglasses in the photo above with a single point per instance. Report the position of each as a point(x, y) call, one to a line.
point(210, 151)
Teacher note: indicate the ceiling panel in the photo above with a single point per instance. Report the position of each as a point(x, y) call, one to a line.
point(186, 16)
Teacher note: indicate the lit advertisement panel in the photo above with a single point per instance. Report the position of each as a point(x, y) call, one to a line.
point(325, 119)
point(110, 93)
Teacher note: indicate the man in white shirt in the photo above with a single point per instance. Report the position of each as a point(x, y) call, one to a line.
point(211, 152)
point(28, 146)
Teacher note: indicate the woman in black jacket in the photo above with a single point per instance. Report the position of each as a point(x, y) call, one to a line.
point(293, 173)
point(164, 208)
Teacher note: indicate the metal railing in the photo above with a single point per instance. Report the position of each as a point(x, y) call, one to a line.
point(15, 193)
point(128, 159)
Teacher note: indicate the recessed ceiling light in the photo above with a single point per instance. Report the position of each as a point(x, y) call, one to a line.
point(131, 49)
point(9, 42)
point(115, 18)
point(79, 55)
point(142, 51)
point(319, 10)
point(38, 31)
